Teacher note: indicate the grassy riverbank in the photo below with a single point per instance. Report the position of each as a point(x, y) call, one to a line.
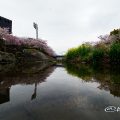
point(104, 52)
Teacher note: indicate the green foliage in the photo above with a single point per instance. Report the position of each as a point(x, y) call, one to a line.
point(102, 53)
point(115, 53)
point(81, 53)
point(84, 51)
point(114, 32)
point(71, 54)
point(98, 54)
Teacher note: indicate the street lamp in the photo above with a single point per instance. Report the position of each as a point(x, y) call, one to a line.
point(35, 25)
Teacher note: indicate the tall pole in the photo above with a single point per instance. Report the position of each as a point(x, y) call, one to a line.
point(37, 33)
point(35, 25)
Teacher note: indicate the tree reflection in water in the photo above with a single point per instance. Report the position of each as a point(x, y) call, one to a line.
point(109, 79)
point(24, 74)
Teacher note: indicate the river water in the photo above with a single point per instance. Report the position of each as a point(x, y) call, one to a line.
point(59, 93)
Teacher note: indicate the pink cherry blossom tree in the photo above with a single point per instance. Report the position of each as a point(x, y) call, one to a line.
point(29, 42)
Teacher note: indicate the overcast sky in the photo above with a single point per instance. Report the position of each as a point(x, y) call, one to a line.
point(63, 23)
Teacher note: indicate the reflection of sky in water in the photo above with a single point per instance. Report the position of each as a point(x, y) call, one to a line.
point(61, 97)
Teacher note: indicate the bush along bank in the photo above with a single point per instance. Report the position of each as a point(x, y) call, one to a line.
point(106, 52)
point(18, 49)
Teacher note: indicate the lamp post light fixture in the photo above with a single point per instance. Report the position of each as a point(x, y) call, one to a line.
point(35, 25)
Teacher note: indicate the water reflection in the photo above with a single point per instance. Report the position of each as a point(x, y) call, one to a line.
point(51, 93)
point(108, 79)
point(28, 74)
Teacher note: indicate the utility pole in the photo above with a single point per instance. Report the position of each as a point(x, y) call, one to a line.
point(35, 25)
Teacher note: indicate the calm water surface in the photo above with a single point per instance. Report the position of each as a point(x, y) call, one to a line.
point(57, 93)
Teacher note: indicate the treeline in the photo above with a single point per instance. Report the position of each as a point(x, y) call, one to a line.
point(104, 52)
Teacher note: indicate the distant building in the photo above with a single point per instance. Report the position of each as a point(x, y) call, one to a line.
point(6, 23)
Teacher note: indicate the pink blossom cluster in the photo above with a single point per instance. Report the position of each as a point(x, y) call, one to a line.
point(29, 42)
point(3, 31)
point(107, 39)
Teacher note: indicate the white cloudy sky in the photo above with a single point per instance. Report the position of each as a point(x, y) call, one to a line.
point(63, 23)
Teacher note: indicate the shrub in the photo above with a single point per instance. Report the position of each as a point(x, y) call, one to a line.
point(71, 54)
point(81, 53)
point(98, 55)
point(115, 53)
point(103, 52)
point(25, 42)
point(114, 32)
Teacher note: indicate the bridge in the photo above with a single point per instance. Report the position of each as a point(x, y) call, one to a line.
point(59, 57)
